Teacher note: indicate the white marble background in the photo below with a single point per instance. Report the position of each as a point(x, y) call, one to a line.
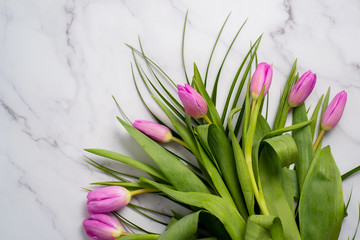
point(60, 62)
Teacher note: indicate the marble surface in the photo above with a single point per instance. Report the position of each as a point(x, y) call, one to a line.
point(60, 62)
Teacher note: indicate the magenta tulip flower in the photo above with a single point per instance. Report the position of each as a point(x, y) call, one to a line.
point(193, 102)
point(261, 77)
point(334, 111)
point(102, 227)
point(302, 89)
point(156, 131)
point(107, 199)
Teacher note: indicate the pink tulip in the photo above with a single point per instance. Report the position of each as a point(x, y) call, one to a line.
point(334, 111)
point(302, 89)
point(193, 102)
point(107, 199)
point(261, 77)
point(102, 227)
point(156, 131)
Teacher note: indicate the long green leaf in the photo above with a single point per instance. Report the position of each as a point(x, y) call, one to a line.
point(143, 77)
point(217, 206)
point(214, 92)
point(128, 161)
point(227, 102)
point(223, 153)
point(351, 172)
point(278, 152)
point(178, 175)
point(212, 51)
point(215, 176)
point(183, 131)
point(241, 168)
point(169, 95)
point(321, 207)
point(282, 111)
point(314, 116)
point(214, 115)
point(323, 108)
point(185, 228)
point(152, 62)
point(303, 141)
point(183, 47)
point(264, 227)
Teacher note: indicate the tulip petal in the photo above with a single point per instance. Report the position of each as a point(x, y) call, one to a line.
point(107, 199)
point(334, 111)
point(155, 131)
point(194, 104)
point(102, 227)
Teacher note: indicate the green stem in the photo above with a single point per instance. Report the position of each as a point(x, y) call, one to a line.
point(175, 139)
point(141, 191)
point(248, 149)
point(207, 120)
point(259, 197)
point(252, 108)
point(319, 138)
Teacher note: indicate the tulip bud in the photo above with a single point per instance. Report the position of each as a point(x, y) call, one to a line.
point(302, 89)
point(193, 102)
point(261, 77)
point(334, 111)
point(102, 226)
point(107, 199)
point(156, 131)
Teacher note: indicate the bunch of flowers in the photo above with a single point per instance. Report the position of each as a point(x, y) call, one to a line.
point(250, 180)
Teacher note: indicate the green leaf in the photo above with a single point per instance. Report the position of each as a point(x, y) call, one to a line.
point(169, 95)
point(217, 206)
point(210, 169)
point(293, 182)
point(278, 152)
point(183, 47)
point(303, 141)
point(212, 51)
point(241, 85)
point(152, 62)
point(357, 225)
point(132, 185)
point(325, 103)
point(183, 131)
point(321, 207)
point(256, 232)
point(280, 131)
point(351, 172)
point(178, 175)
point(136, 209)
point(247, 97)
point(214, 92)
point(223, 153)
point(314, 116)
point(282, 111)
point(128, 161)
point(247, 103)
point(241, 168)
point(264, 227)
point(185, 228)
point(202, 132)
point(213, 114)
point(145, 78)
point(323, 108)
point(109, 171)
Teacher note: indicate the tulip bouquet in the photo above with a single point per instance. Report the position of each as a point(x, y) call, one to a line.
point(250, 180)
